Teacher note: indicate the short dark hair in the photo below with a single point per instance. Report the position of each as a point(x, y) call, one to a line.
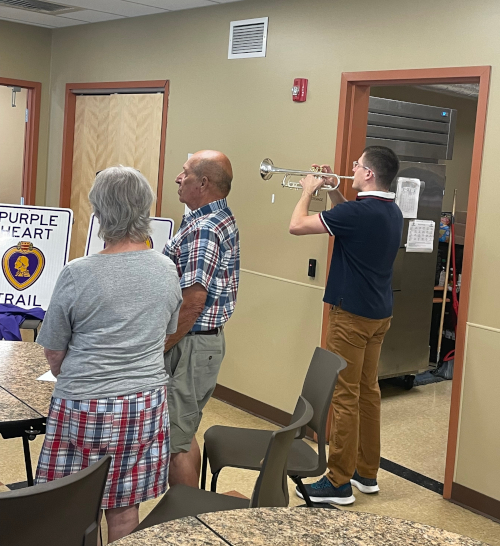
point(215, 172)
point(383, 162)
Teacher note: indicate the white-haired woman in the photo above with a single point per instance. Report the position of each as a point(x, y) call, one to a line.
point(104, 334)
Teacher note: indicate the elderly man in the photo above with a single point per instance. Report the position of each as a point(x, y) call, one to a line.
point(206, 251)
point(367, 237)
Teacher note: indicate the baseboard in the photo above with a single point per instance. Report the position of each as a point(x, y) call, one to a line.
point(251, 405)
point(475, 501)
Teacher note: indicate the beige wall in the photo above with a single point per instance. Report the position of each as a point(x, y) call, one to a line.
point(25, 55)
point(244, 108)
point(458, 168)
point(12, 128)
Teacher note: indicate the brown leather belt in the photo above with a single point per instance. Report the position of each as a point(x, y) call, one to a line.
point(212, 332)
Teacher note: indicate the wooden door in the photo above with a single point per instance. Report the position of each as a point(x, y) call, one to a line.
point(119, 129)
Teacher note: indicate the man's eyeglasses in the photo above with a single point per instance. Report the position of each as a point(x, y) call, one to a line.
point(356, 164)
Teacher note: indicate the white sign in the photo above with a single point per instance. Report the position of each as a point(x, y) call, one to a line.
point(34, 247)
point(161, 232)
point(420, 236)
point(407, 196)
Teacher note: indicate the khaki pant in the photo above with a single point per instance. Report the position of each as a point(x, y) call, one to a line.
point(192, 365)
point(355, 431)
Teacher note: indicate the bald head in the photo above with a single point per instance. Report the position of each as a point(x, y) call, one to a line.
point(216, 167)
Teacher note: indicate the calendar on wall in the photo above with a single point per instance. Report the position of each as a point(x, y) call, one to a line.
point(420, 236)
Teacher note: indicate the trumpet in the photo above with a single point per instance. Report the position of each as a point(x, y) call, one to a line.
point(267, 169)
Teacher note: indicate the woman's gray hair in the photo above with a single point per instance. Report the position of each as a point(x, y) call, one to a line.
point(122, 199)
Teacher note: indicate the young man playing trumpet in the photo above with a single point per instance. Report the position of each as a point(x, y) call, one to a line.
point(367, 235)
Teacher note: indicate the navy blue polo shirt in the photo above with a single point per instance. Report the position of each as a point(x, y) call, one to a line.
point(367, 238)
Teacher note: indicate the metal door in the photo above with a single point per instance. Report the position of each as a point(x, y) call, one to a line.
point(406, 345)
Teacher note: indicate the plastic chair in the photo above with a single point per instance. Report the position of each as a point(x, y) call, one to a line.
point(270, 488)
point(244, 448)
point(64, 512)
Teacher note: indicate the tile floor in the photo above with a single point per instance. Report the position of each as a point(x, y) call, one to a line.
point(414, 429)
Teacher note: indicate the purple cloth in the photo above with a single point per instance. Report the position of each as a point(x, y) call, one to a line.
point(11, 317)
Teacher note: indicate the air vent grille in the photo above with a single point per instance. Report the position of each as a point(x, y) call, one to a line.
point(39, 6)
point(248, 38)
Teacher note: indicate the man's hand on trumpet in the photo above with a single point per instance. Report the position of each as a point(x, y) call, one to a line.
point(311, 183)
point(314, 181)
point(301, 223)
point(335, 196)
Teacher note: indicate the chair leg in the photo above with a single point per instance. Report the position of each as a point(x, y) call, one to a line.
point(302, 489)
point(215, 477)
point(203, 483)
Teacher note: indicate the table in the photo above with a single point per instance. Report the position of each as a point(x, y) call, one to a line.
point(294, 527)
point(24, 401)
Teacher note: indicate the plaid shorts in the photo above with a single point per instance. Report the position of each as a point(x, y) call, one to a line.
point(134, 429)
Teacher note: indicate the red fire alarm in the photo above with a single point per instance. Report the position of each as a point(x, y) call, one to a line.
point(299, 89)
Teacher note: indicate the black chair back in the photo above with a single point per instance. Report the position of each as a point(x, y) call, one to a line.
point(271, 488)
point(64, 512)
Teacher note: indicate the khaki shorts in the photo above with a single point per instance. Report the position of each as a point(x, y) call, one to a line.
point(193, 365)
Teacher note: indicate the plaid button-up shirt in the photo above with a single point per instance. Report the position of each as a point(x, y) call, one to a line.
point(206, 250)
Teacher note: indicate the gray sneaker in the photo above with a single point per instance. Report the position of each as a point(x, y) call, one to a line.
point(365, 485)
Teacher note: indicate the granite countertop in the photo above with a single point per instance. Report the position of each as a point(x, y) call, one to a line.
point(185, 531)
point(324, 527)
point(20, 364)
point(12, 409)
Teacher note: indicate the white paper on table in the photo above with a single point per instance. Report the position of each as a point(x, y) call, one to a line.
point(47, 376)
point(420, 236)
point(407, 196)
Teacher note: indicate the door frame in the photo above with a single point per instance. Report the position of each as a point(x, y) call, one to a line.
point(95, 88)
point(31, 136)
point(351, 135)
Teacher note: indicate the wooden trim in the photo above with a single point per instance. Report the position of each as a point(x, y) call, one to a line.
point(463, 310)
point(251, 405)
point(69, 132)
point(418, 76)
point(31, 136)
point(347, 138)
point(117, 85)
point(67, 148)
point(475, 501)
point(163, 142)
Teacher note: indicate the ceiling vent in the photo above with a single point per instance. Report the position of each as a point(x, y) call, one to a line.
point(39, 7)
point(248, 38)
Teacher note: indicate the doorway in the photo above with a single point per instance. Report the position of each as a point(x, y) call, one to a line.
point(20, 104)
point(351, 137)
point(106, 125)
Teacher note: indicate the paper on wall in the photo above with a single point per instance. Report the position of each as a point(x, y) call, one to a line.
point(47, 376)
point(420, 236)
point(407, 195)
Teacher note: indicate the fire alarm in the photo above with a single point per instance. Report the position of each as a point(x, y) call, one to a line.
point(299, 89)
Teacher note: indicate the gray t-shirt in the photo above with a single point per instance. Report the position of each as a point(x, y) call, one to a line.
point(112, 312)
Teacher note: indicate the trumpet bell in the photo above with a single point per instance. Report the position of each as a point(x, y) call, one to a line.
point(266, 169)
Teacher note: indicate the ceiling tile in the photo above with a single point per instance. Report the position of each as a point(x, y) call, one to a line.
point(95, 11)
point(117, 7)
point(38, 18)
point(173, 5)
point(12, 20)
point(91, 16)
